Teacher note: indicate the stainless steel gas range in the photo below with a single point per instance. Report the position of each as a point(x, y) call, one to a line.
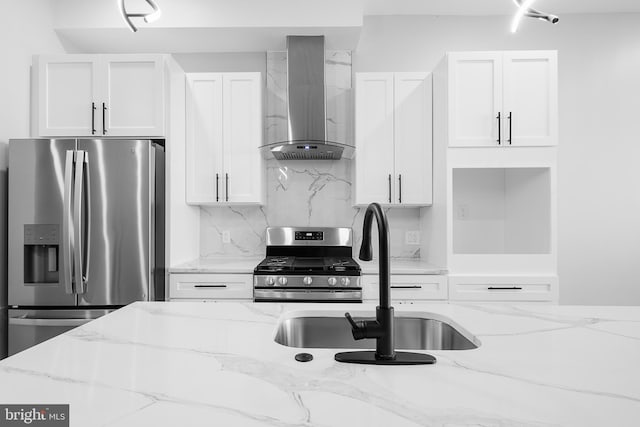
point(306, 264)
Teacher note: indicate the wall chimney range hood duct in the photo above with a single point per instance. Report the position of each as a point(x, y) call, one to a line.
point(306, 106)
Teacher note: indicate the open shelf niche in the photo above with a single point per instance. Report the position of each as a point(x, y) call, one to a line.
point(501, 210)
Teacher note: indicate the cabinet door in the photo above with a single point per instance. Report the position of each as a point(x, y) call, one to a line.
point(242, 130)
point(413, 138)
point(133, 96)
point(475, 98)
point(66, 92)
point(374, 173)
point(204, 137)
point(530, 98)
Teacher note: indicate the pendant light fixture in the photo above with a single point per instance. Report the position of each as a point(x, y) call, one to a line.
point(525, 9)
point(148, 17)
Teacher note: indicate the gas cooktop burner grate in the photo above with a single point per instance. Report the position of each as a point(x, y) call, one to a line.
point(277, 261)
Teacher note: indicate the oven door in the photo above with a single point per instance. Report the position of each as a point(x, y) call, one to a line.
point(347, 295)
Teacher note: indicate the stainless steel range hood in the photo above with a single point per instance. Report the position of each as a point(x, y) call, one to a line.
point(306, 106)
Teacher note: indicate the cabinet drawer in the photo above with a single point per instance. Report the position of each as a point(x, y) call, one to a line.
point(407, 287)
point(211, 286)
point(503, 288)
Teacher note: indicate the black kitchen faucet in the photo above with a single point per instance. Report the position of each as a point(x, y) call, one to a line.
point(382, 329)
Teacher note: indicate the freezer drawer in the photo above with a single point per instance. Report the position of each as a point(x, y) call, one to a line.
point(30, 327)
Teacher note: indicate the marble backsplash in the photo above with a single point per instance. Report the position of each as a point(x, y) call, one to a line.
point(302, 193)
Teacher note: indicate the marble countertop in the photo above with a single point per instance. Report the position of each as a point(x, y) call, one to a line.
point(403, 266)
point(246, 266)
point(243, 265)
point(195, 364)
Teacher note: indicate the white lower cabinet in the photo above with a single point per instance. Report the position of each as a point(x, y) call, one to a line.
point(406, 288)
point(504, 288)
point(203, 286)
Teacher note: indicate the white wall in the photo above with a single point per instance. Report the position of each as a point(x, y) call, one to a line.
point(599, 152)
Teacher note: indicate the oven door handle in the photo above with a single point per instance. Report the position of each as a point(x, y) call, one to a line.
point(265, 295)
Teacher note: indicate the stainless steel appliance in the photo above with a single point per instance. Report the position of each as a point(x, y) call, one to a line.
point(86, 232)
point(306, 106)
point(306, 264)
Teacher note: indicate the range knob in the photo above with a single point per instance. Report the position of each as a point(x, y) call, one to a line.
point(269, 281)
point(332, 281)
point(307, 280)
point(345, 281)
point(282, 281)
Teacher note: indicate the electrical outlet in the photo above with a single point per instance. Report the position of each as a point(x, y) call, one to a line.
point(412, 237)
point(463, 211)
point(226, 236)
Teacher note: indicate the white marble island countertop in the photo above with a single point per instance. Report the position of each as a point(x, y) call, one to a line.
point(201, 364)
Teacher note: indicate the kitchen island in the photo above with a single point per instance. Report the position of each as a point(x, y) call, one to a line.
point(197, 364)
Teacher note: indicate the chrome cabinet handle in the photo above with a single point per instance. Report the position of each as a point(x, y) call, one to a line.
point(67, 224)
point(93, 118)
point(510, 122)
point(226, 186)
point(209, 286)
point(504, 288)
point(406, 286)
point(389, 188)
point(104, 120)
point(399, 188)
point(77, 223)
point(217, 183)
point(499, 128)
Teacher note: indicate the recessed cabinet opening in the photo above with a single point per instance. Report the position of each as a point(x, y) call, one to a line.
point(501, 210)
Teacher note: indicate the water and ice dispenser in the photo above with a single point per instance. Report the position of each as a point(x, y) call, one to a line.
point(41, 253)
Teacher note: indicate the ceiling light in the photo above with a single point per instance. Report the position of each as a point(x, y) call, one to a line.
point(525, 9)
point(148, 17)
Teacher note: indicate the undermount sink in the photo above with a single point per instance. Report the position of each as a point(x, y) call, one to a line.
point(413, 331)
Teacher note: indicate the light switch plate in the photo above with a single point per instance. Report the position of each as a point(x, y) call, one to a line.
point(226, 236)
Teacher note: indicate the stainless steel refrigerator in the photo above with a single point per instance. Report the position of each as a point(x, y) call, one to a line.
point(86, 232)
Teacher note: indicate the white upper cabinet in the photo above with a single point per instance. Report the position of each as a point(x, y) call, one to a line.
point(67, 93)
point(393, 161)
point(502, 98)
point(374, 138)
point(224, 133)
point(530, 98)
point(242, 135)
point(99, 95)
point(475, 98)
point(204, 137)
point(133, 98)
point(413, 140)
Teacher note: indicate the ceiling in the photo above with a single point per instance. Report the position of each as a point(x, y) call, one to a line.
point(494, 7)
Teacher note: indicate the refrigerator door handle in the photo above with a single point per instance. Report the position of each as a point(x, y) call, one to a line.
point(87, 224)
point(67, 225)
point(77, 223)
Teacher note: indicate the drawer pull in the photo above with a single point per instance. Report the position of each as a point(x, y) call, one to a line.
point(209, 286)
point(406, 286)
point(504, 288)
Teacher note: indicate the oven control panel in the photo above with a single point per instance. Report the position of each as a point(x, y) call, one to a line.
point(309, 235)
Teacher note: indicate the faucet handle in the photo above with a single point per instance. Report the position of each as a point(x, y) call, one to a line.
point(354, 325)
point(358, 329)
